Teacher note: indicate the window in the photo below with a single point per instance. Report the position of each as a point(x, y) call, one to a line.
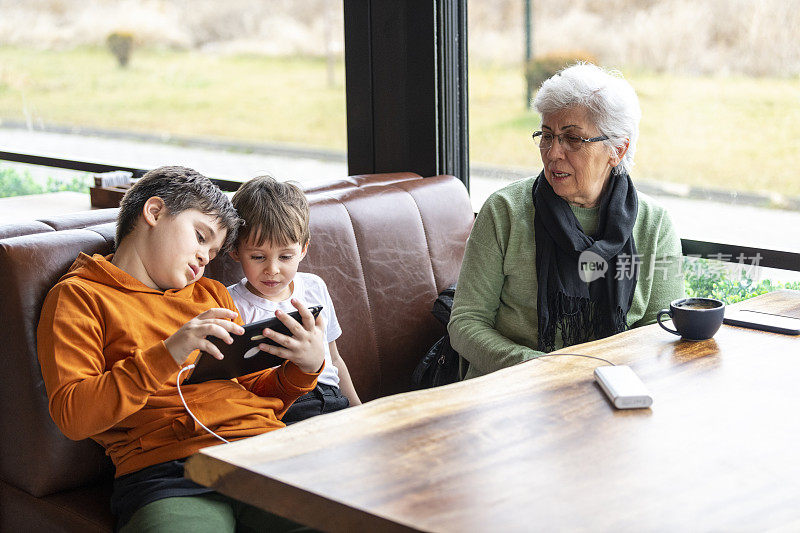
point(719, 87)
point(233, 89)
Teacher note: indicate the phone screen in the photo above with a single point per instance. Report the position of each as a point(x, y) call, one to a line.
point(764, 321)
point(242, 357)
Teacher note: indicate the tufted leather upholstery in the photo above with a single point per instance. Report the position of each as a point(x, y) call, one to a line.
point(385, 244)
point(81, 220)
point(58, 222)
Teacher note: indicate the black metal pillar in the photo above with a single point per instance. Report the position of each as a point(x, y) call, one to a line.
point(453, 118)
point(405, 65)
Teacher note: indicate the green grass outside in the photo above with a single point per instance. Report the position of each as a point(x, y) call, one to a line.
point(719, 132)
point(250, 98)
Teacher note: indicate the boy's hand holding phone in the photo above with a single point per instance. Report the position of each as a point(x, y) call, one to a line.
point(217, 321)
point(305, 348)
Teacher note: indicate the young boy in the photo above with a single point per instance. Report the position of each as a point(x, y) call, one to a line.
point(270, 246)
point(115, 331)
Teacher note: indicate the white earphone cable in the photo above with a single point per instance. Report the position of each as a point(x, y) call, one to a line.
point(184, 369)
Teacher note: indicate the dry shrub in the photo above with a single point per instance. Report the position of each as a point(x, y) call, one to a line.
point(543, 67)
point(278, 27)
point(274, 27)
point(755, 37)
point(120, 44)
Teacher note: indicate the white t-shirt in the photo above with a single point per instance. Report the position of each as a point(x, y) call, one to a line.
point(309, 289)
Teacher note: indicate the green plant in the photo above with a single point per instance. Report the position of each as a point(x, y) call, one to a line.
point(120, 44)
point(709, 279)
point(73, 184)
point(14, 183)
point(542, 67)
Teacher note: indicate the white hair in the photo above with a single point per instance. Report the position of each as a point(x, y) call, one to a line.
point(611, 102)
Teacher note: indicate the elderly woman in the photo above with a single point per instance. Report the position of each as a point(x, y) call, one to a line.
point(576, 253)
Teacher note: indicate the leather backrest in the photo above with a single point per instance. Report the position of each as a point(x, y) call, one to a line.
point(78, 220)
point(82, 219)
point(23, 228)
point(384, 246)
point(363, 180)
point(34, 455)
point(385, 253)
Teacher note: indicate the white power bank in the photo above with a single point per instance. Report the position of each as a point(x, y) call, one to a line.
point(623, 387)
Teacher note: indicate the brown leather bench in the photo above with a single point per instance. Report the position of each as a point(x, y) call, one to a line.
point(385, 244)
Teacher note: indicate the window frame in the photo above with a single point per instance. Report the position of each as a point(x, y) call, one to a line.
point(407, 104)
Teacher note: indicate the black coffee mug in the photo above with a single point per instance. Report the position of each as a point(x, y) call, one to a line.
point(695, 319)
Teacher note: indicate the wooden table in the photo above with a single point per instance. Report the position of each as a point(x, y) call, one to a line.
point(538, 446)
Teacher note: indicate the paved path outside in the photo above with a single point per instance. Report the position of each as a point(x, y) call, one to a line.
point(137, 154)
point(695, 218)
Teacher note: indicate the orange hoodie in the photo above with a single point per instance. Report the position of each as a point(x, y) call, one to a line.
point(110, 377)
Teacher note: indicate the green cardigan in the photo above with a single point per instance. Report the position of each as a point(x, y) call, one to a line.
point(494, 323)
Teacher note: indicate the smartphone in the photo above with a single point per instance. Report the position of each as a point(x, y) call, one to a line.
point(765, 321)
point(242, 357)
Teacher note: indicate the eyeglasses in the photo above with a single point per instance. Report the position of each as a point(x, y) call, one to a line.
point(569, 142)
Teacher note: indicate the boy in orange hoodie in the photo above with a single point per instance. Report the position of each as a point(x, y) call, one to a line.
point(115, 331)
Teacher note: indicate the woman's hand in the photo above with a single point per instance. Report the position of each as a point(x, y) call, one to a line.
point(191, 336)
point(305, 347)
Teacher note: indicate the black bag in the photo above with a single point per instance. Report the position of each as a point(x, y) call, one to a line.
point(443, 305)
point(440, 366)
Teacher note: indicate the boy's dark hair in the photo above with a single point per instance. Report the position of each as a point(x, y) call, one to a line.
point(181, 188)
point(273, 211)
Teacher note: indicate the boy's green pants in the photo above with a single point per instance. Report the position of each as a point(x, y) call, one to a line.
point(206, 512)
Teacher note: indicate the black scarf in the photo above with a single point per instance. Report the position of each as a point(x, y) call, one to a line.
point(584, 311)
